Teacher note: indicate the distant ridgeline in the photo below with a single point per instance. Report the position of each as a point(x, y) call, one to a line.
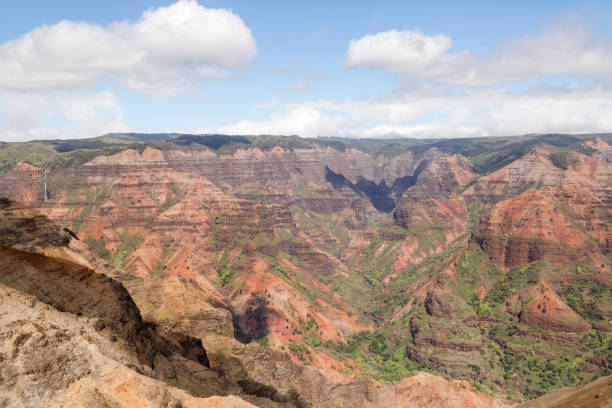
point(486, 153)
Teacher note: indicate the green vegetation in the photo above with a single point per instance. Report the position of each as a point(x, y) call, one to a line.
point(507, 356)
point(393, 232)
point(518, 278)
point(334, 232)
point(542, 373)
point(486, 154)
point(371, 351)
point(31, 152)
point(172, 198)
point(586, 298)
point(165, 314)
point(301, 351)
point(303, 191)
point(563, 159)
point(99, 246)
point(429, 235)
point(374, 266)
point(60, 154)
point(227, 269)
point(158, 269)
point(129, 242)
point(94, 200)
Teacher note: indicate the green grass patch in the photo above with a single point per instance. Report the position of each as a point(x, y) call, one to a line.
point(99, 246)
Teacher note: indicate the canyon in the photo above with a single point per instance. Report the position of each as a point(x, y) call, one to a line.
point(280, 271)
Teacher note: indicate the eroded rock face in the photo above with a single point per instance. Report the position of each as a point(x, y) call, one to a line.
point(24, 184)
point(20, 227)
point(157, 214)
point(439, 175)
point(57, 359)
point(536, 170)
point(199, 239)
point(73, 336)
point(75, 289)
point(423, 389)
point(436, 306)
point(559, 224)
point(542, 308)
point(544, 212)
point(432, 210)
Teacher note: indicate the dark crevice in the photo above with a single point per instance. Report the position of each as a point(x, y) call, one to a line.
point(382, 197)
point(379, 194)
point(258, 389)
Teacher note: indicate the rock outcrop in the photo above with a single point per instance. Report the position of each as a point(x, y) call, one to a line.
point(561, 224)
point(542, 308)
point(597, 394)
point(57, 359)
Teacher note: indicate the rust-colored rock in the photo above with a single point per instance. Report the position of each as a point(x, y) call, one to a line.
point(542, 308)
point(559, 224)
point(74, 336)
point(597, 394)
point(200, 239)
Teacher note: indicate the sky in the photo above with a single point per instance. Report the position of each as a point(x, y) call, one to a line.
point(379, 69)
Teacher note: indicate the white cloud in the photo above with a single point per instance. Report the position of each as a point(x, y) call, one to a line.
point(485, 111)
point(428, 131)
point(433, 107)
point(80, 115)
point(168, 50)
point(581, 110)
point(565, 48)
point(406, 52)
point(304, 120)
point(422, 113)
point(47, 75)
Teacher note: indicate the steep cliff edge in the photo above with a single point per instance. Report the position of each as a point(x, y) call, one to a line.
point(73, 334)
point(57, 359)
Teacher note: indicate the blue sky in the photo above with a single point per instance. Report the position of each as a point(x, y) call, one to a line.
point(356, 69)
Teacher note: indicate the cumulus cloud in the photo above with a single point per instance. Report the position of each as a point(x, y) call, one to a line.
point(81, 115)
point(485, 111)
point(407, 52)
point(432, 106)
point(426, 131)
point(47, 75)
point(168, 50)
point(304, 120)
point(568, 47)
point(422, 113)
